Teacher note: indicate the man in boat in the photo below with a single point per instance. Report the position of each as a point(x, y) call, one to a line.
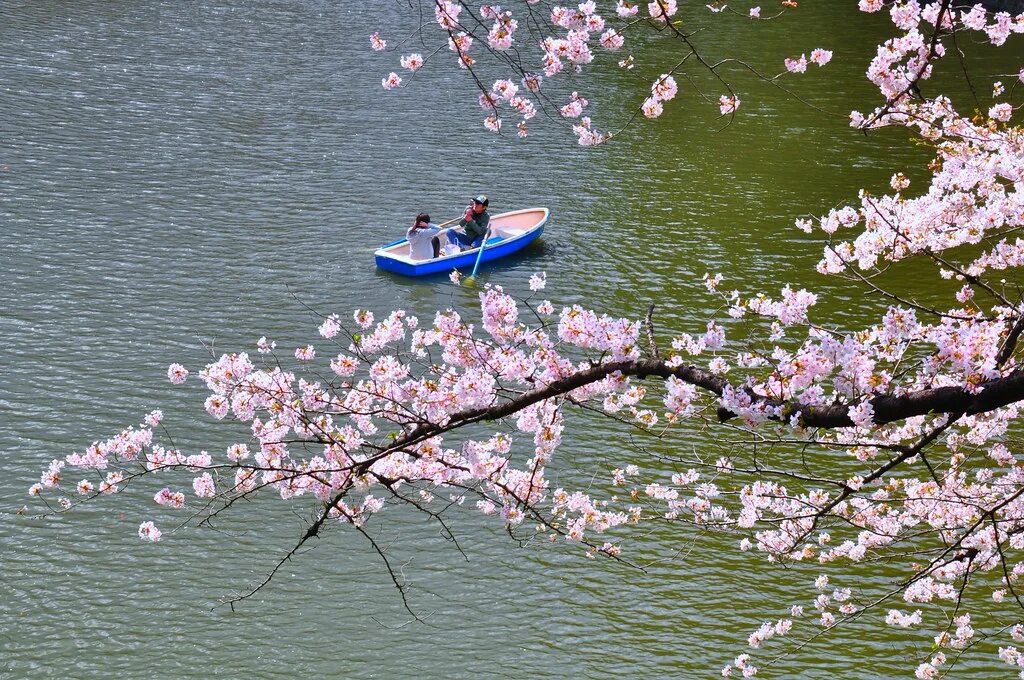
point(422, 236)
point(474, 223)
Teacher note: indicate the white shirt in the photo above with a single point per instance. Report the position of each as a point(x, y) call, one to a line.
point(420, 246)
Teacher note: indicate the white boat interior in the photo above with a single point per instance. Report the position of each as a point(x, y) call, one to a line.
point(503, 226)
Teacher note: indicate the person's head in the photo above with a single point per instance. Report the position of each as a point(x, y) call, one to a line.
point(480, 204)
point(422, 221)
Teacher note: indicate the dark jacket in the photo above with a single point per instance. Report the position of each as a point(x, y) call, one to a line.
point(477, 226)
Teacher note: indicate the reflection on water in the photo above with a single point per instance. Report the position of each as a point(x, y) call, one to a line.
point(178, 177)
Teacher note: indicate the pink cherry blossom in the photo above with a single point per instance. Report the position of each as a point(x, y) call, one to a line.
point(203, 486)
point(177, 373)
point(626, 9)
point(149, 532)
point(664, 88)
point(898, 182)
point(447, 13)
point(820, 56)
point(572, 110)
point(154, 417)
point(344, 365)
point(505, 89)
point(172, 499)
point(727, 104)
point(217, 406)
point(662, 10)
point(798, 65)
point(330, 327)
point(413, 62)
point(652, 108)
point(1001, 112)
point(363, 318)
point(532, 81)
point(612, 39)
point(501, 35)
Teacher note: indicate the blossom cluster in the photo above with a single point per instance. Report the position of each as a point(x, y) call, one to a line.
point(570, 41)
point(384, 385)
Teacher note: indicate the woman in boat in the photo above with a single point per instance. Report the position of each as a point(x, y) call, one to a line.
point(423, 241)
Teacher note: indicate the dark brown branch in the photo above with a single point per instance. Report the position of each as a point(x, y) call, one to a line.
point(890, 408)
point(989, 396)
point(1010, 344)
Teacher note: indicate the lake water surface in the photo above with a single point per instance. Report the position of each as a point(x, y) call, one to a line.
point(176, 175)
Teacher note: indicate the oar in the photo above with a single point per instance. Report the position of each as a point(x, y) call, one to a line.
point(479, 255)
point(445, 224)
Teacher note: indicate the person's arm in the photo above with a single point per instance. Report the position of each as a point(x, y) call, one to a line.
point(477, 226)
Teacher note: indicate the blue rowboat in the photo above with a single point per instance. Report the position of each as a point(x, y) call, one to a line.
point(509, 232)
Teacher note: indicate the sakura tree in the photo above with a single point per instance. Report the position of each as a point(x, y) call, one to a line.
point(917, 412)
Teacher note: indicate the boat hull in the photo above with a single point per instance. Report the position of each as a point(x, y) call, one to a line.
point(496, 248)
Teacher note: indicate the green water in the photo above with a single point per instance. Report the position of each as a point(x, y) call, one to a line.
point(181, 174)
